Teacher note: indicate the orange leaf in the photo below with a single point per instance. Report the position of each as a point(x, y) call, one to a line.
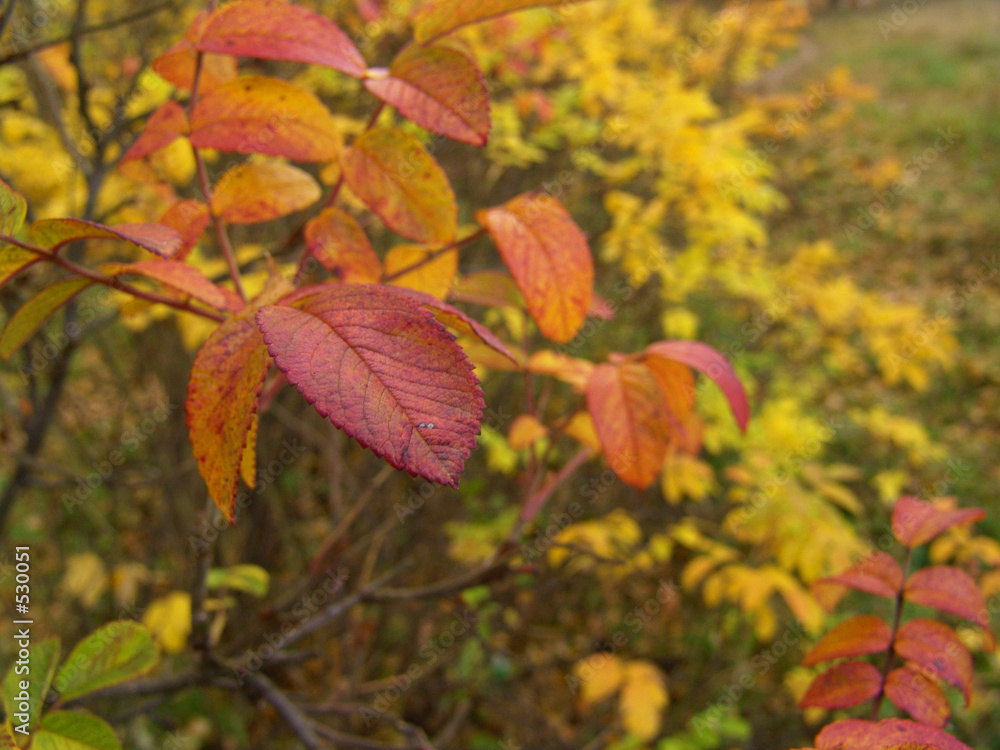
point(433, 277)
point(677, 383)
point(32, 314)
point(156, 238)
point(164, 126)
point(378, 365)
point(708, 361)
point(177, 64)
point(937, 648)
point(222, 401)
point(864, 634)
point(629, 416)
point(439, 89)
point(341, 246)
point(901, 734)
point(177, 275)
point(190, 218)
point(572, 370)
point(919, 696)
point(400, 181)
point(262, 115)
point(916, 522)
point(262, 191)
point(843, 685)
point(439, 17)
point(948, 589)
point(878, 574)
point(548, 257)
point(525, 431)
point(276, 30)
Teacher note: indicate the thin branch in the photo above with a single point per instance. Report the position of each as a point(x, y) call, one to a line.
point(891, 653)
point(536, 501)
point(82, 84)
point(287, 710)
point(432, 255)
point(349, 740)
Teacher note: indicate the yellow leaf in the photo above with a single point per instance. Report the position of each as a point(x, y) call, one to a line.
point(86, 578)
point(581, 427)
point(525, 431)
point(599, 676)
point(644, 696)
point(169, 620)
point(434, 276)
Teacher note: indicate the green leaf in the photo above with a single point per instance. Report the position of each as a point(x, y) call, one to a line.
point(69, 730)
point(33, 313)
point(13, 209)
point(252, 579)
point(43, 657)
point(110, 655)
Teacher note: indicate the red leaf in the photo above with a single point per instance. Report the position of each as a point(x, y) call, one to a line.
point(864, 634)
point(222, 400)
point(261, 191)
point(629, 416)
point(179, 276)
point(855, 734)
point(843, 685)
point(878, 574)
point(336, 240)
point(156, 238)
point(548, 257)
point(381, 368)
point(919, 696)
point(439, 89)
point(261, 115)
point(164, 126)
point(708, 361)
point(177, 65)
point(400, 181)
point(32, 314)
point(936, 647)
point(439, 17)
point(276, 30)
point(916, 522)
point(190, 218)
point(948, 589)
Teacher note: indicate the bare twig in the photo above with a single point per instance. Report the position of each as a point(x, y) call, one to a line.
point(293, 716)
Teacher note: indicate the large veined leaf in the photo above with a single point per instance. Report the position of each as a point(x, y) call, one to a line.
point(937, 648)
point(400, 181)
point(222, 399)
point(110, 655)
point(72, 730)
point(439, 89)
point(339, 243)
point(262, 115)
point(379, 366)
point(548, 257)
point(918, 695)
point(629, 414)
point(164, 126)
point(864, 634)
point(916, 522)
point(156, 238)
point(43, 659)
point(948, 589)
point(901, 734)
point(439, 17)
point(877, 573)
point(177, 275)
point(710, 362)
point(33, 313)
point(843, 685)
point(262, 191)
point(13, 209)
point(277, 30)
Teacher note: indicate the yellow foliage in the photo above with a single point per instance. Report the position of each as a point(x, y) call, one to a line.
point(86, 578)
point(169, 620)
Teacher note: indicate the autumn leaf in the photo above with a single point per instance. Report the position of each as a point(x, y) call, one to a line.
point(864, 634)
point(222, 400)
point(948, 589)
point(177, 275)
point(916, 522)
point(176, 65)
point(643, 698)
point(163, 127)
point(439, 89)
point(379, 366)
point(629, 416)
point(855, 734)
point(422, 269)
point(112, 654)
point(277, 30)
point(13, 260)
point(261, 191)
point(459, 322)
point(32, 314)
point(919, 696)
point(488, 288)
point(878, 573)
point(400, 181)
point(13, 209)
point(341, 246)
point(262, 115)
point(439, 17)
point(843, 685)
point(189, 217)
point(525, 431)
point(548, 257)
point(573, 370)
point(156, 238)
point(937, 648)
point(599, 676)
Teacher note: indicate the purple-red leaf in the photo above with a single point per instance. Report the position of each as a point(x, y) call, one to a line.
point(177, 275)
point(164, 126)
point(439, 89)
point(864, 634)
point(919, 696)
point(856, 734)
point(708, 361)
point(878, 574)
point(380, 367)
point(222, 401)
point(548, 257)
point(843, 685)
point(948, 589)
point(336, 240)
point(916, 521)
point(156, 238)
point(938, 649)
point(276, 30)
